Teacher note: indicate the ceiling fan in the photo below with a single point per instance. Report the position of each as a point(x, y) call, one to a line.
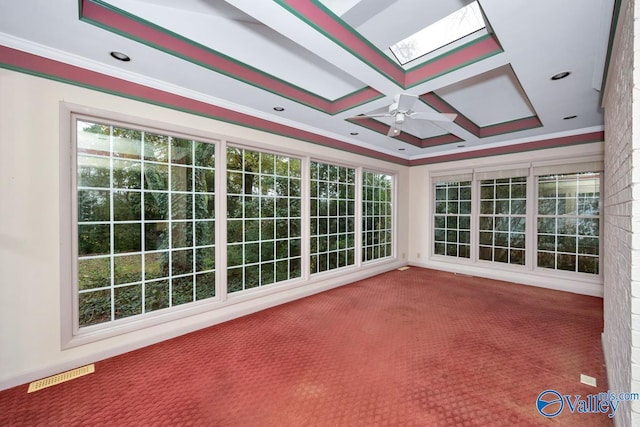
point(400, 110)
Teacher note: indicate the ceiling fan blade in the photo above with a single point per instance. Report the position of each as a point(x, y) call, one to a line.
point(406, 101)
point(433, 116)
point(366, 116)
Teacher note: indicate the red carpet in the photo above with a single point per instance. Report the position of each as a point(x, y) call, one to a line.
point(411, 348)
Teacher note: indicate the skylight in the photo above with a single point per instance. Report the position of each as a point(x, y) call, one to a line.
point(459, 24)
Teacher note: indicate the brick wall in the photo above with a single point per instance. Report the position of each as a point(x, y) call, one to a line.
point(635, 215)
point(621, 247)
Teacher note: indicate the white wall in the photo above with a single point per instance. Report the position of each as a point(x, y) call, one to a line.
point(621, 336)
point(30, 258)
point(420, 218)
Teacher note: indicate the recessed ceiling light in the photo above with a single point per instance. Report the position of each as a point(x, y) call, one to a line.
point(278, 108)
point(569, 117)
point(354, 133)
point(120, 56)
point(561, 75)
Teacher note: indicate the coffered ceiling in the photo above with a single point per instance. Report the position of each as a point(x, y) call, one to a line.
point(326, 61)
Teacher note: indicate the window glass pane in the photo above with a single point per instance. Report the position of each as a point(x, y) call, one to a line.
point(126, 228)
point(503, 210)
point(93, 171)
point(156, 295)
point(568, 222)
point(156, 148)
point(452, 218)
point(334, 200)
point(156, 177)
point(263, 220)
point(93, 205)
point(377, 221)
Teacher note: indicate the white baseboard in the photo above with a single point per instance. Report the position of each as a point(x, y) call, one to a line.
point(523, 278)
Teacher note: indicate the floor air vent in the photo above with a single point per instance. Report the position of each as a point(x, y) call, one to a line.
point(406, 267)
point(60, 378)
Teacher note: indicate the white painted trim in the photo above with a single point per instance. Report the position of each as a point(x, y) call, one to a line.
point(70, 336)
point(506, 141)
point(223, 314)
point(117, 72)
point(67, 291)
point(523, 277)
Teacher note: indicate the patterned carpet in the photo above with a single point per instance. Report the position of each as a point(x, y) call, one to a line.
point(405, 348)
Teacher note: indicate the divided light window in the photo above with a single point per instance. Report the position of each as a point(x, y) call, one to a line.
point(377, 219)
point(568, 222)
point(332, 216)
point(452, 219)
point(263, 218)
point(503, 209)
point(145, 222)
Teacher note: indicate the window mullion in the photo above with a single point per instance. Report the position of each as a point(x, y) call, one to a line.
point(475, 218)
point(221, 219)
point(305, 224)
point(358, 217)
point(531, 243)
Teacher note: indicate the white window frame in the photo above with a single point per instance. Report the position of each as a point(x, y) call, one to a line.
point(71, 333)
point(531, 171)
point(553, 168)
point(72, 336)
point(260, 241)
point(392, 214)
point(357, 213)
point(515, 171)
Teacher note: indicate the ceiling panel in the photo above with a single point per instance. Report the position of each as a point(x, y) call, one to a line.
point(234, 60)
point(225, 29)
point(489, 98)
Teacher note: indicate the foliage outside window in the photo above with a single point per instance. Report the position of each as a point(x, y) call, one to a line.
point(263, 219)
point(502, 223)
point(568, 222)
point(377, 224)
point(332, 204)
point(452, 219)
point(145, 206)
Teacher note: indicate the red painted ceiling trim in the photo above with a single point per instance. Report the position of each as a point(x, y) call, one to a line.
point(123, 23)
point(516, 148)
point(32, 64)
point(453, 60)
point(511, 126)
point(442, 106)
point(437, 103)
point(333, 27)
point(382, 128)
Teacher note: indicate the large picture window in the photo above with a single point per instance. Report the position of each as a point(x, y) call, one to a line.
point(377, 218)
point(534, 217)
point(568, 222)
point(502, 220)
point(146, 216)
point(452, 219)
point(332, 216)
point(263, 219)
